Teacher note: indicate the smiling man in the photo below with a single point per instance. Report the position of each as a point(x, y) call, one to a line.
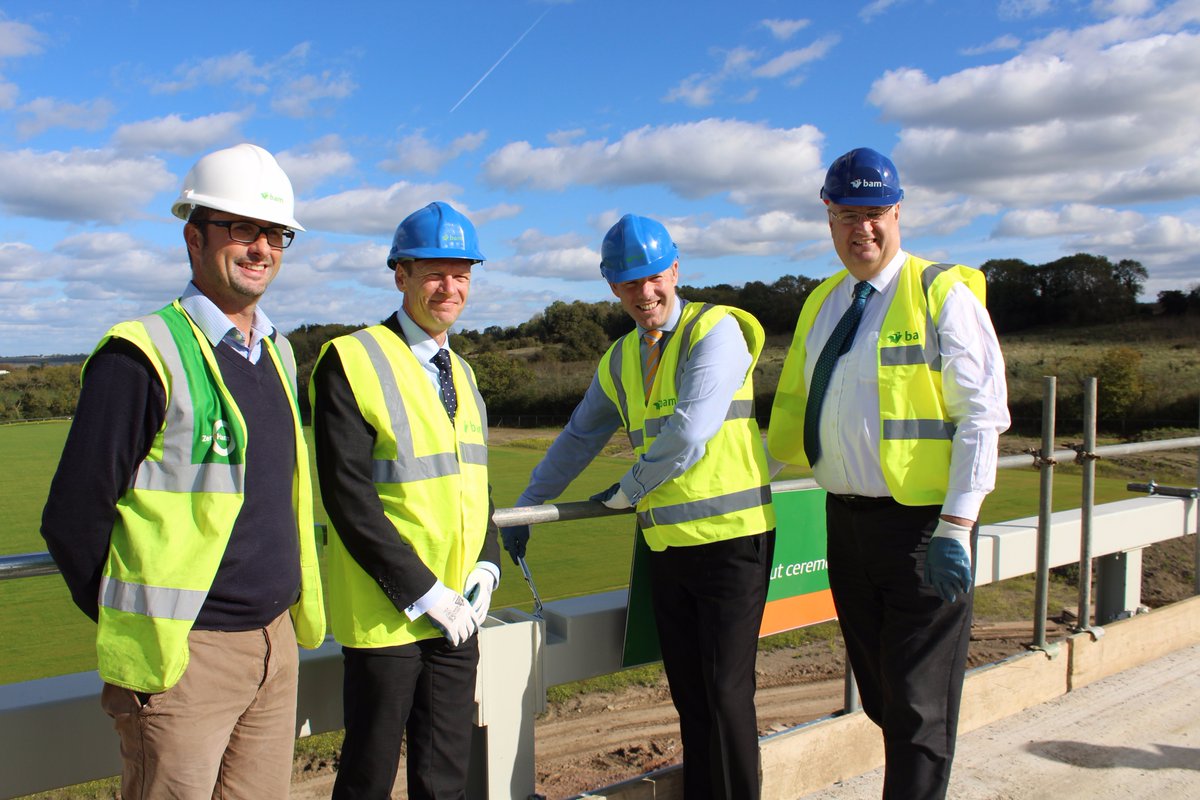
point(681, 384)
point(401, 440)
point(181, 513)
point(893, 391)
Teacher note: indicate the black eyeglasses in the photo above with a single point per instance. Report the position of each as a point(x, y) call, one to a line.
point(244, 232)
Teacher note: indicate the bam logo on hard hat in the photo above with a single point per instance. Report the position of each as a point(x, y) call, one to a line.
point(859, 183)
point(272, 197)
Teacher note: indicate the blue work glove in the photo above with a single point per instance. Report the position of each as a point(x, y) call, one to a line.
point(515, 538)
point(948, 560)
point(613, 497)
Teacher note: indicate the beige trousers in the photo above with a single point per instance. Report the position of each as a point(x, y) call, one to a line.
point(227, 730)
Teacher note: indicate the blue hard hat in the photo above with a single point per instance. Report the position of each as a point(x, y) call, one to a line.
point(862, 177)
point(435, 231)
point(636, 247)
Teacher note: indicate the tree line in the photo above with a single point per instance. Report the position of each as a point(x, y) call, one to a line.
point(543, 365)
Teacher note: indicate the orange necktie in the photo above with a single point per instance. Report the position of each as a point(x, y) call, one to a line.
point(650, 367)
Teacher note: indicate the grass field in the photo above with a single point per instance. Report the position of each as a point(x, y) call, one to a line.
point(45, 634)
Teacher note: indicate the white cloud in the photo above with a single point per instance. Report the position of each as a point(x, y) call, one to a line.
point(237, 70)
point(1168, 246)
point(18, 39)
point(415, 153)
point(79, 185)
point(1085, 120)
point(873, 9)
point(697, 90)
point(24, 262)
point(1022, 9)
point(751, 162)
point(373, 211)
point(173, 134)
point(774, 233)
point(566, 257)
point(784, 29)
point(1113, 8)
point(308, 167)
point(45, 112)
point(794, 59)
point(999, 44)
point(293, 92)
point(701, 88)
point(562, 138)
point(296, 98)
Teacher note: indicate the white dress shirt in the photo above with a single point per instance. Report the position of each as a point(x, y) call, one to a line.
point(973, 387)
point(424, 347)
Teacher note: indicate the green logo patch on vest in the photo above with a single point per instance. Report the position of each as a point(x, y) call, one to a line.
point(666, 402)
point(895, 337)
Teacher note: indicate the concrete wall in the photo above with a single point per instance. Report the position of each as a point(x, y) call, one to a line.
point(821, 753)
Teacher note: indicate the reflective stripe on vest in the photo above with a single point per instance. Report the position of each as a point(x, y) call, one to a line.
point(915, 431)
point(176, 472)
point(174, 519)
point(668, 515)
point(151, 601)
point(407, 466)
point(710, 507)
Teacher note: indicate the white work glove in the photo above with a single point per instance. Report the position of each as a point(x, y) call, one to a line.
point(478, 592)
point(452, 615)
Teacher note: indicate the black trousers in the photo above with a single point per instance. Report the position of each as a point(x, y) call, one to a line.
point(708, 605)
point(425, 691)
point(907, 646)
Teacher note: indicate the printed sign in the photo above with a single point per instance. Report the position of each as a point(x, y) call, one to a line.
point(798, 594)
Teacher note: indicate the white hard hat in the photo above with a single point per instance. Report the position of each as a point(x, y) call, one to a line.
point(243, 180)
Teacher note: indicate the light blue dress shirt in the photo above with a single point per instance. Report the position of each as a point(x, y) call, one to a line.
point(715, 371)
point(215, 326)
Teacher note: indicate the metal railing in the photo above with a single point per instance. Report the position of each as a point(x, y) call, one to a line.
point(1045, 458)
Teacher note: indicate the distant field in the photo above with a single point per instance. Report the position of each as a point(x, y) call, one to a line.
point(45, 635)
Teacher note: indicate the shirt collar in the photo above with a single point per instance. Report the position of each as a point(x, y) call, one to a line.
point(888, 274)
point(423, 346)
point(213, 323)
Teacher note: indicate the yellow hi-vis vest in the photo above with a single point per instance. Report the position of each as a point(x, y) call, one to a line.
point(916, 430)
point(174, 522)
point(727, 493)
point(431, 476)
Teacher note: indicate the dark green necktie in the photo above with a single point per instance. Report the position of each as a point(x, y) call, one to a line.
point(836, 346)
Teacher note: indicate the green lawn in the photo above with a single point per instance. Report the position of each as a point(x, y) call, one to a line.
point(45, 635)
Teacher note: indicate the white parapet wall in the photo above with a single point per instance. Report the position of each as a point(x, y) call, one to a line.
point(53, 733)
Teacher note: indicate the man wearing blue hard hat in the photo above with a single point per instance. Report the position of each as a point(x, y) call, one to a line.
point(681, 384)
point(894, 392)
point(401, 441)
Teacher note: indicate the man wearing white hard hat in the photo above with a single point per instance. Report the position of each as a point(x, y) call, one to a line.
point(181, 513)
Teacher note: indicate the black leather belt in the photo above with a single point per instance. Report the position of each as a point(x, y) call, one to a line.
point(859, 501)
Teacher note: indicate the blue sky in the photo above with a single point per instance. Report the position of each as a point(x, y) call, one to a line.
point(1021, 128)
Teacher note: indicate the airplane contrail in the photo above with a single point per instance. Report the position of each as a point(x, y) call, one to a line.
point(506, 52)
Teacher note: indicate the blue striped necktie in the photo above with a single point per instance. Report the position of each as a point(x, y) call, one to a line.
point(836, 346)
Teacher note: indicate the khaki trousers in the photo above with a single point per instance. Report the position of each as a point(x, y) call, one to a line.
point(227, 730)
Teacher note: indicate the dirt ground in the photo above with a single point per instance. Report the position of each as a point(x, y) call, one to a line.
point(597, 739)
point(600, 738)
